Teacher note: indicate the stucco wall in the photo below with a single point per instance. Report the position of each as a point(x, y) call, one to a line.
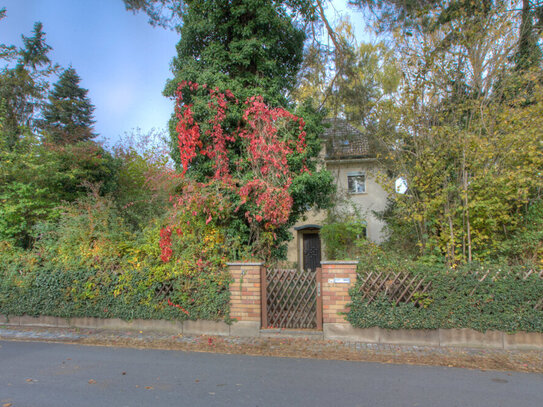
point(374, 199)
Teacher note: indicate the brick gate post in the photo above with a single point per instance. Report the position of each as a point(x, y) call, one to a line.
point(337, 278)
point(245, 298)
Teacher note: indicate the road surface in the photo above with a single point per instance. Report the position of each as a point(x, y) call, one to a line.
point(47, 374)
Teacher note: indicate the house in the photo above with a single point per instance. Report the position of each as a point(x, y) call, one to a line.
point(349, 156)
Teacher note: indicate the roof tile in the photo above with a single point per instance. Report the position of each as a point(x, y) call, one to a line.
point(344, 140)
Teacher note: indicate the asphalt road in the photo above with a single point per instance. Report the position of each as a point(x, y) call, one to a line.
point(46, 374)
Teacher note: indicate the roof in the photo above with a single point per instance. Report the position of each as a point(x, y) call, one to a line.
point(344, 140)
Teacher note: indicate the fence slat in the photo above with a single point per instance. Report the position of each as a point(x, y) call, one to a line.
point(291, 298)
point(400, 287)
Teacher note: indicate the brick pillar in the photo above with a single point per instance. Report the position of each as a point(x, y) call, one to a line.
point(245, 298)
point(337, 278)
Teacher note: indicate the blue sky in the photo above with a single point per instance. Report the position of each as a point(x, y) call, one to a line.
point(122, 60)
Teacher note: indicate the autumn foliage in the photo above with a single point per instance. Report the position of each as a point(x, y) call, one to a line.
point(250, 172)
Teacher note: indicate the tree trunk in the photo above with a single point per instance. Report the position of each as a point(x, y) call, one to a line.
point(466, 203)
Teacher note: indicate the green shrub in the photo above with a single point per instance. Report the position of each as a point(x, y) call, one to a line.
point(84, 293)
point(89, 264)
point(342, 240)
point(505, 300)
point(526, 244)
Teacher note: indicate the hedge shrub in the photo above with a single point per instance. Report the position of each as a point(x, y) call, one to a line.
point(133, 294)
point(504, 301)
point(90, 264)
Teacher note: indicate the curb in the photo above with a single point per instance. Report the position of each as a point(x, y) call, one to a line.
point(461, 338)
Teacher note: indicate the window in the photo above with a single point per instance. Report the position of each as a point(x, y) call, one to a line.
point(356, 182)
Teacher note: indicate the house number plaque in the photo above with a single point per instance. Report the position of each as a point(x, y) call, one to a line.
point(339, 281)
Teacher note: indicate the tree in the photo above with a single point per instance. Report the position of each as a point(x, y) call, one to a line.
point(5, 50)
point(145, 178)
point(169, 13)
point(409, 16)
point(458, 140)
point(255, 191)
point(354, 82)
point(36, 177)
point(164, 13)
point(67, 118)
point(529, 54)
point(250, 49)
point(34, 53)
point(23, 87)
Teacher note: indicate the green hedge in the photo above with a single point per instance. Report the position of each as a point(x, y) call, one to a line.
point(127, 295)
point(88, 263)
point(504, 301)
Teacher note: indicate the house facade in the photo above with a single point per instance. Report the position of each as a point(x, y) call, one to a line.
point(348, 155)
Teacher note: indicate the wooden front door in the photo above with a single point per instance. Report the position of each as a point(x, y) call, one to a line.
point(311, 251)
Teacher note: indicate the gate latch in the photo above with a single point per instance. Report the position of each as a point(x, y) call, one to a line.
point(318, 289)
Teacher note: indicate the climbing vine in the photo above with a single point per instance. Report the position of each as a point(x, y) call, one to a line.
point(250, 172)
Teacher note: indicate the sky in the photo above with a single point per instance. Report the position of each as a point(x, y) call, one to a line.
point(122, 60)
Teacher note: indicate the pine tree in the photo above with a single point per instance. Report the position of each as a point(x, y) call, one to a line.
point(34, 53)
point(68, 117)
point(23, 87)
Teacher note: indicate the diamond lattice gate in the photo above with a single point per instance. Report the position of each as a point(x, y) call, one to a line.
point(291, 299)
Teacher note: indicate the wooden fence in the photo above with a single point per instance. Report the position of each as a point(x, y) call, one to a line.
point(404, 287)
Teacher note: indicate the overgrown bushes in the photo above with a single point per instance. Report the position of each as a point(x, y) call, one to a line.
point(342, 239)
point(87, 293)
point(343, 234)
point(506, 300)
point(91, 264)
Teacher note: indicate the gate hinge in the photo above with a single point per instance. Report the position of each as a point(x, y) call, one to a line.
point(318, 289)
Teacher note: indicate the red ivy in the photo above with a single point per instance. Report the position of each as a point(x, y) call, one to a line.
point(166, 244)
point(267, 148)
point(171, 304)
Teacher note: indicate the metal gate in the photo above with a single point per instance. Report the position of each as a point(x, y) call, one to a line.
point(291, 299)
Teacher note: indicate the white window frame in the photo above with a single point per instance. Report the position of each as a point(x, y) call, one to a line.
point(356, 185)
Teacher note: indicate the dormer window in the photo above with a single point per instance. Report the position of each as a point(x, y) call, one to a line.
point(356, 182)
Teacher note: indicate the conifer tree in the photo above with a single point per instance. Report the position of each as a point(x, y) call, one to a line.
point(250, 47)
point(68, 117)
point(247, 49)
point(34, 53)
point(23, 87)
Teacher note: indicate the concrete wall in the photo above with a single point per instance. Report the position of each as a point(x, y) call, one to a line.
point(461, 338)
point(331, 331)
